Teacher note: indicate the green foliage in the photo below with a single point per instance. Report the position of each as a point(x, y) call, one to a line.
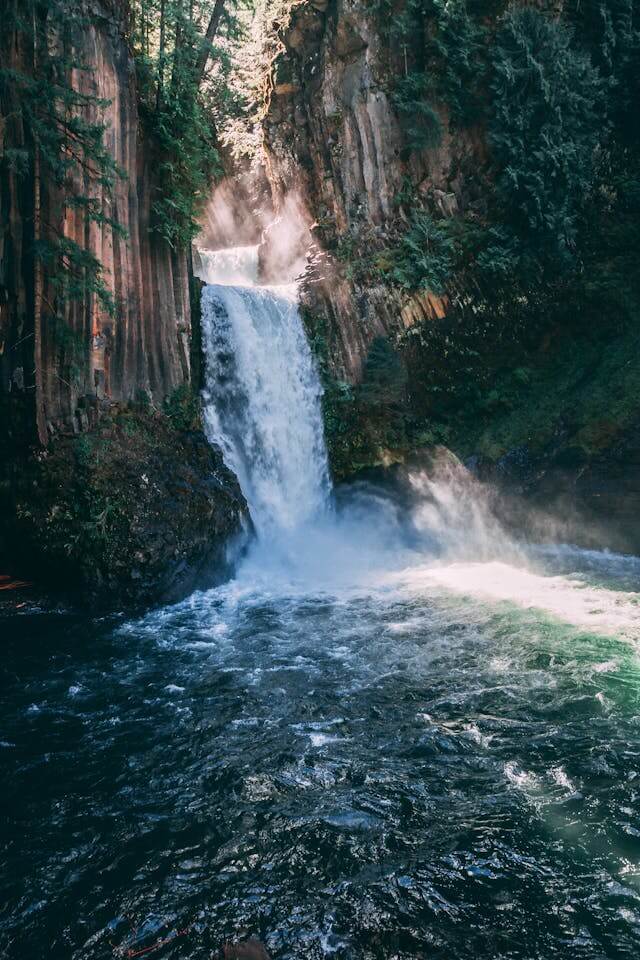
point(72, 347)
point(381, 395)
point(540, 267)
point(190, 160)
point(456, 57)
point(424, 256)
point(357, 251)
point(182, 407)
point(384, 377)
point(544, 129)
point(62, 138)
point(184, 97)
point(443, 44)
point(422, 125)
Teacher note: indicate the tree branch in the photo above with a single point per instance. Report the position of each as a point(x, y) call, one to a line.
point(212, 30)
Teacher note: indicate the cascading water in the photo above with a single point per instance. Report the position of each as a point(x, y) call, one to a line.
point(395, 733)
point(262, 396)
point(262, 407)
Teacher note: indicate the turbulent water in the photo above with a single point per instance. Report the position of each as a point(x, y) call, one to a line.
point(395, 734)
point(262, 395)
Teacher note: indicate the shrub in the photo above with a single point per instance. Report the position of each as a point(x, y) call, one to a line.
point(424, 257)
point(545, 127)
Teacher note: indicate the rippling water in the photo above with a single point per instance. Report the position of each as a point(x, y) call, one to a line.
point(395, 735)
point(434, 763)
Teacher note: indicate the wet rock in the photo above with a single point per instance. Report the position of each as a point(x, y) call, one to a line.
point(134, 512)
point(147, 343)
point(248, 950)
point(340, 143)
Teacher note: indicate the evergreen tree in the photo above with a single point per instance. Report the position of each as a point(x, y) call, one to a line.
point(545, 126)
point(185, 52)
point(60, 141)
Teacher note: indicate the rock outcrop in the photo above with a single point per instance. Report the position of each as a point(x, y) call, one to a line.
point(333, 132)
point(57, 365)
point(135, 512)
point(103, 493)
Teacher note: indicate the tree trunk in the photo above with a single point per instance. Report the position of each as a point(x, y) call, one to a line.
point(38, 278)
point(161, 55)
point(177, 49)
point(212, 30)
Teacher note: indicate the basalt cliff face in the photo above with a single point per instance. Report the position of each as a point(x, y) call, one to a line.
point(108, 488)
point(53, 375)
point(548, 407)
point(333, 132)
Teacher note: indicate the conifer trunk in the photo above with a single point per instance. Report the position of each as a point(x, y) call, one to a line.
point(38, 278)
point(161, 55)
point(212, 30)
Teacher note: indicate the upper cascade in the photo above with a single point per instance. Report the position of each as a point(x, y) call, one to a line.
point(262, 395)
point(233, 267)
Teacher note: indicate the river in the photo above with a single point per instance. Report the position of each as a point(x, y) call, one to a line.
point(395, 733)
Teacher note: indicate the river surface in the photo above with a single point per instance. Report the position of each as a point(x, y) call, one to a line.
point(400, 771)
point(395, 734)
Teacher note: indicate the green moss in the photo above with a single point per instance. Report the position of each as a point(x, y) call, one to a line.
point(365, 423)
point(182, 407)
point(582, 393)
point(122, 512)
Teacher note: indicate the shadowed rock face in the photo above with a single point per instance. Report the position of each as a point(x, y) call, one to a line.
point(133, 512)
point(111, 506)
point(563, 495)
point(333, 133)
point(249, 950)
point(145, 346)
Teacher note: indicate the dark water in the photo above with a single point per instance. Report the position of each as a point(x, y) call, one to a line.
point(398, 772)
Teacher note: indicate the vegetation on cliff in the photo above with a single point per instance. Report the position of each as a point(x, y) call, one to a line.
point(185, 56)
point(137, 510)
point(61, 139)
point(108, 147)
point(535, 249)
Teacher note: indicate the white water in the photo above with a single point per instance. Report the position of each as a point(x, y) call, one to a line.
point(439, 537)
point(237, 266)
point(262, 399)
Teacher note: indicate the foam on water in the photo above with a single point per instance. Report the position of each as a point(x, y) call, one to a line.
point(262, 406)
point(567, 598)
point(262, 396)
point(394, 726)
point(236, 266)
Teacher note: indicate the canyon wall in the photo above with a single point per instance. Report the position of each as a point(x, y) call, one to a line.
point(109, 490)
point(333, 131)
point(61, 359)
point(545, 401)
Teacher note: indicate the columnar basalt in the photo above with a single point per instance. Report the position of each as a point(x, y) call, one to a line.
point(333, 130)
point(60, 359)
point(108, 487)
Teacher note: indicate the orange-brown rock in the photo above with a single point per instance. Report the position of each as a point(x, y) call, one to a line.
point(47, 365)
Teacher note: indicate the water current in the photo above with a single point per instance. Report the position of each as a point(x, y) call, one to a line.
point(395, 734)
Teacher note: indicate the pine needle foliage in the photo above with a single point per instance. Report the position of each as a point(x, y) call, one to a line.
point(547, 102)
point(184, 52)
point(424, 257)
point(63, 138)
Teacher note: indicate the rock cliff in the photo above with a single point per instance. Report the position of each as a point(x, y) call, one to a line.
point(538, 399)
point(108, 488)
point(59, 359)
point(333, 131)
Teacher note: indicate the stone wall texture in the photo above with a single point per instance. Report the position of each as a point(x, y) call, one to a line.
point(332, 131)
point(55, 373)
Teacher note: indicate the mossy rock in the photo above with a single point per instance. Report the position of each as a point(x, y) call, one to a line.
point(133, 512)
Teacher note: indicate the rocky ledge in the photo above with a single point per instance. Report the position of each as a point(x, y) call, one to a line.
point(140, 510)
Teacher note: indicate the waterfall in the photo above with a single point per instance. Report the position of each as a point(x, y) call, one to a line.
point(262, 392)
